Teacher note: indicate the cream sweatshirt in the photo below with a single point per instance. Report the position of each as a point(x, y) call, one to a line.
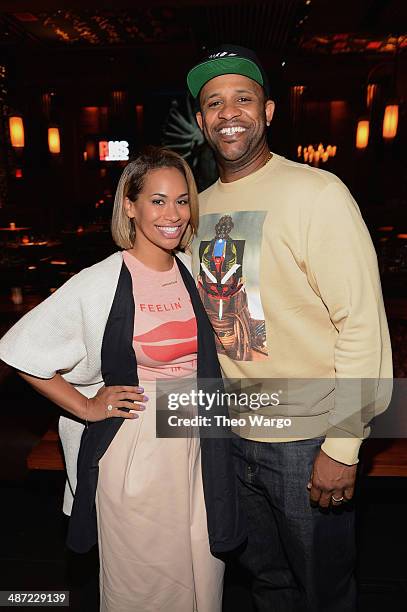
point(288, 275)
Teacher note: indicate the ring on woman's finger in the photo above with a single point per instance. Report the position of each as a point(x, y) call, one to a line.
point(337, 501)
point(110, 408)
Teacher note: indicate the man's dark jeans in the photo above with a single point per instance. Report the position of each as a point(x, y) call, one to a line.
point(301, 558)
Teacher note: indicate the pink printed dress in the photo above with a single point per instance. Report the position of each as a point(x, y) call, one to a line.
point(153, 539)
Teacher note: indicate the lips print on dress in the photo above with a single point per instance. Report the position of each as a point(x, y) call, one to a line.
point(169, 341)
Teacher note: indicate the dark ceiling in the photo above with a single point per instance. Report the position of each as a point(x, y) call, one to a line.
point(262, 24)
point(327, 26)
point(154, 42)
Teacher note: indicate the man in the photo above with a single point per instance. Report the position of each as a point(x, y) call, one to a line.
point(313, 290)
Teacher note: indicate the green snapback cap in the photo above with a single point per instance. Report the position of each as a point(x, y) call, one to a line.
point(226, 59)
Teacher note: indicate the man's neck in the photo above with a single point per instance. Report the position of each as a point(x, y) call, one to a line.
point(230, 171)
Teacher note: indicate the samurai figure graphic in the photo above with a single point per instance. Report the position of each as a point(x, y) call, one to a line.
point(222, 290)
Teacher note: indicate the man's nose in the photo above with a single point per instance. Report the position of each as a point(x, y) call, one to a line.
point(229, 111)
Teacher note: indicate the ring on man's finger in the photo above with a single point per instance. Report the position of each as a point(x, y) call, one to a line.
point(337, 501)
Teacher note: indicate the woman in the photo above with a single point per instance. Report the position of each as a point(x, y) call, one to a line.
point(116, 328)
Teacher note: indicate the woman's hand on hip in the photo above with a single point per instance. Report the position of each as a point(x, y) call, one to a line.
point(116, 401)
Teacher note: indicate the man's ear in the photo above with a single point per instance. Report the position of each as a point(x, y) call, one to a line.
point(199, 120)
point(269, 108)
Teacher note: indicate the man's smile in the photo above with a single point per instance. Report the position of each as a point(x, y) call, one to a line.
point(230, 131)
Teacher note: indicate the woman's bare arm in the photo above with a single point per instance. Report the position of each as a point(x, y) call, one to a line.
point(105, 404)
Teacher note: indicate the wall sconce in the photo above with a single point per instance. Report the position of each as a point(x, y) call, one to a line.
point(91, 151)
point(390, 121)
point(54, 143)
point(391, 112)
point(16, 127)
point(362, 134)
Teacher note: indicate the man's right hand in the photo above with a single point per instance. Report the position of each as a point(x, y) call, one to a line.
point(331, 482)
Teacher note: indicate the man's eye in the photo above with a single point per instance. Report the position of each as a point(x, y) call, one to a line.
point(244, 99)
point(214, 103)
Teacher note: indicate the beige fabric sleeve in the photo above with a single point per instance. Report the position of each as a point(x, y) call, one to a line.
point(342, 269)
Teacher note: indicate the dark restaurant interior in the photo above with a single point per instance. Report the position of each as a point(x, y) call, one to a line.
point(83, 88)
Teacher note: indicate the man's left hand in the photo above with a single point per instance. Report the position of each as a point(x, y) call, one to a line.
point(331, 482)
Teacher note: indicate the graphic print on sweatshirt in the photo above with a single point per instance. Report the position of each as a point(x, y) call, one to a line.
point(229, 282)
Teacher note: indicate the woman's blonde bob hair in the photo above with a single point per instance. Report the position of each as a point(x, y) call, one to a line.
point(131, 184)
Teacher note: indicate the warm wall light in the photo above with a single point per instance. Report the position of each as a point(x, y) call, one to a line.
point(390, 121)
point(90, 119)
point(91, 150)
point(16, 131)
point(54, 143)
point(371, 91)
point(362, 134)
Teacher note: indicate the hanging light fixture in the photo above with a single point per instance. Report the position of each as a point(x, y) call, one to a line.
point(16, 127)
point(362, 134)
point(54, 143)
point(390, 121)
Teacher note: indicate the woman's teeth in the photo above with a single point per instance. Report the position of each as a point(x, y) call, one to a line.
point(171, 230)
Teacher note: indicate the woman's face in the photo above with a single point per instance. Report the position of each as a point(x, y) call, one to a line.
point(161, 211)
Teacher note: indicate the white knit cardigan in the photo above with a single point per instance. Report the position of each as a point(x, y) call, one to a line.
point(64, 334)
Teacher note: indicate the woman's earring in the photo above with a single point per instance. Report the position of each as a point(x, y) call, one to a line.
point(268, 123)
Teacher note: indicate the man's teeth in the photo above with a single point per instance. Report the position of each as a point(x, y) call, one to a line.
point(232, 130)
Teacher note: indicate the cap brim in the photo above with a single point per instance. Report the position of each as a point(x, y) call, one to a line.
point(201, 74)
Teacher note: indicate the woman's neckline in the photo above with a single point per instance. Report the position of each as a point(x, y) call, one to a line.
point(133, 259)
